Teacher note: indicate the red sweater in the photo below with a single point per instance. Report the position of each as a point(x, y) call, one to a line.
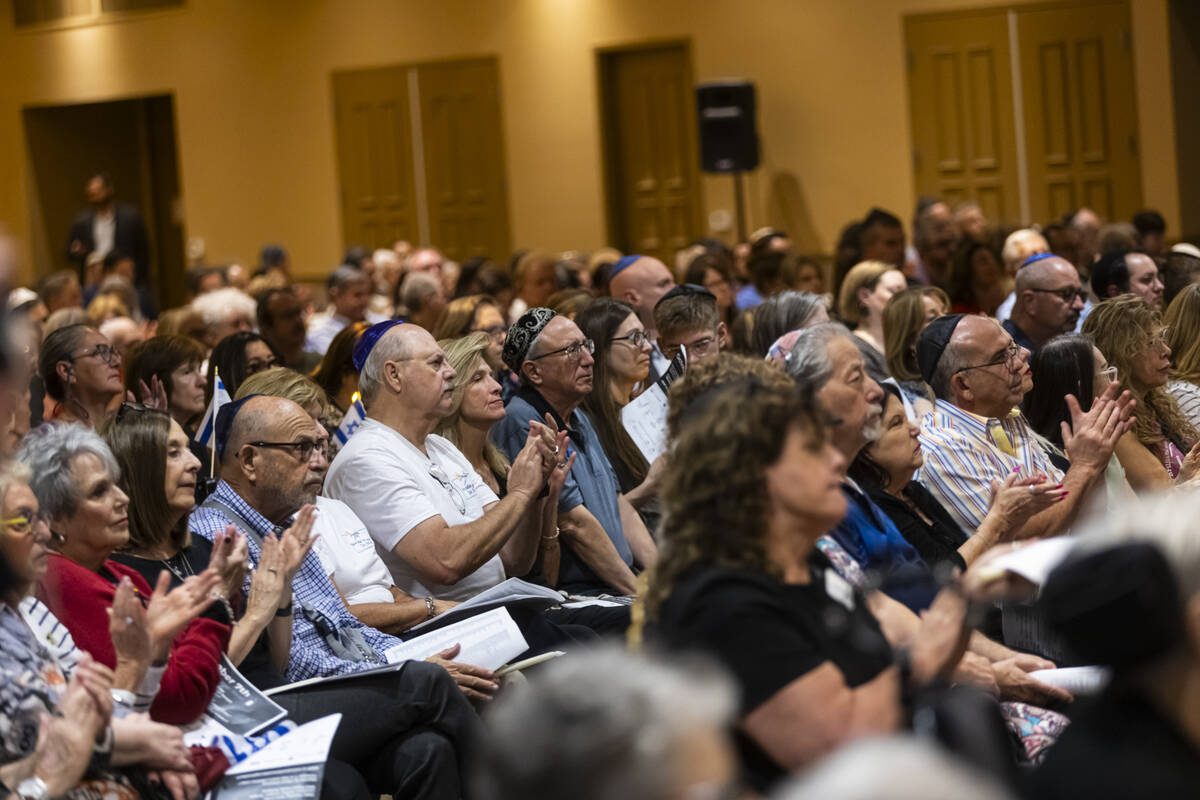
point(80, 598)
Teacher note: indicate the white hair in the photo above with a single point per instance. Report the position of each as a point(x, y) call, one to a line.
point(1011, 254)
point(217, 307)
point(390, 347)
point(49, 452)
point(900, 767)
point(599, 724)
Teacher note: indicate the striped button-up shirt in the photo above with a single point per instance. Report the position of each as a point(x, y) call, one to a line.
point(962, 459)
point(310, 657)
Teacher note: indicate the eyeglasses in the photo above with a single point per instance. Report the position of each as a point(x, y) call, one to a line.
point(1161, 337)
point(572, 351)
point(1010, 359)
point(1067, 295)
point(1109, 374)
point(637, 339)
point(699, 348)
point(460, 501)
point(127, 408)
point(105, 352)
point(24, 523)
point(304, 448)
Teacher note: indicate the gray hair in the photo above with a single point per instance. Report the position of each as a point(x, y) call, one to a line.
point(49, 452)
point(894, 768)
point(343, 276)
point(1011, 254)
point(11, 474)
point(600, 724)
point(417, 287)
point(949, 364)
point(1165, 519)
point(780, 314)
point(216, 307)
point(390, 347)
point(808, 362)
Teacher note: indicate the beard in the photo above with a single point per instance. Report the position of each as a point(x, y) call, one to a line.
point(873, 425)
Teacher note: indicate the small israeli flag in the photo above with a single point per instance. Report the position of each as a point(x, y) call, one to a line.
point(352, 421)
point(204, 433)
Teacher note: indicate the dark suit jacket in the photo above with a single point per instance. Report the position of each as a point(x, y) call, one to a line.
point(130, 237)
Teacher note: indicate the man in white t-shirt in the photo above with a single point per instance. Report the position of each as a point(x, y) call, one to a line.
point(441, 531)
point(348, 554)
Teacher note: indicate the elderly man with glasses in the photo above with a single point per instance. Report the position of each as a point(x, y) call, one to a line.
point(603, 536)
point(975, 436)
point(1049, 300)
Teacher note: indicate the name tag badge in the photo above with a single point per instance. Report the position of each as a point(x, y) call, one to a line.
point(839, 589)
point(360, 540)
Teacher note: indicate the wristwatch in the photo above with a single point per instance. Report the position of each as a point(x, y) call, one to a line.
point(123, 697)
point(33, 789)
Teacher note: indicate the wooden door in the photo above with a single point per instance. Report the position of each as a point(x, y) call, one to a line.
point(461, 132)
point(375, 156)
point(961, 105)
point(648, 111)
point(1080, 110)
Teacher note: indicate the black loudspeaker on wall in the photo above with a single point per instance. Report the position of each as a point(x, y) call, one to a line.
point(728, 132)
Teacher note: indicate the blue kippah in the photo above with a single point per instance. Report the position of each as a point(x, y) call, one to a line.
point(623, 263)
point(367, 341)
point(1036, 257)
point(225, 422)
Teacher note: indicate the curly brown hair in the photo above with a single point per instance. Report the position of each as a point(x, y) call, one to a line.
point(727, 420)
point(1123, 327)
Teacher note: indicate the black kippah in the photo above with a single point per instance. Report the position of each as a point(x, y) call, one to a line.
point(933, 341)
point(1118, 607)
point(686, 290)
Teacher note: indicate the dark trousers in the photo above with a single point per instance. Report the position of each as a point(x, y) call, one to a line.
point(406, 732)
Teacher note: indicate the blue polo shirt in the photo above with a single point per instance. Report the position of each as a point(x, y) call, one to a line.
point(592, 483)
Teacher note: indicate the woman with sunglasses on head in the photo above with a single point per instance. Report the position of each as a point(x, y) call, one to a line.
point(82, 374)
point(159, 473)
point(75, 481)
point(1162, 449)
point(622, 357)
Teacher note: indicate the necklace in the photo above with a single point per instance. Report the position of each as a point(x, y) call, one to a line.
point(180, 567)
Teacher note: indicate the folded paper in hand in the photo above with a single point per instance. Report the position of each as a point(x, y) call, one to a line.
point(489, 640)
point(645, 418)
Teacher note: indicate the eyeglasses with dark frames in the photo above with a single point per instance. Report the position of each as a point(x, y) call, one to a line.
point(571, 351)
point(1010, 359)
point(1067, 295)
point(637, 339)
point(303, 448)
point(105, 352)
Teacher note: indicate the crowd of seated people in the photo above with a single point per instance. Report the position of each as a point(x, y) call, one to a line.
point(295, 478)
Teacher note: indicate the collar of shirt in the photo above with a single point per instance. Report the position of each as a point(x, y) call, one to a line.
point(542, 406)
point(225, 493)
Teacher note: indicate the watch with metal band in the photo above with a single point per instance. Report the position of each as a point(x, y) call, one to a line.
point(33, 788)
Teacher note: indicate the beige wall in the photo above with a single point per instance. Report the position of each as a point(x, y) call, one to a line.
point(252, 92)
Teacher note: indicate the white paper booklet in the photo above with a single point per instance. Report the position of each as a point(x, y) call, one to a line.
point(1036, 561)
point(645, 418)
point(1076, 680)
point(488, 640)
point(512, 590)
point(289, 767)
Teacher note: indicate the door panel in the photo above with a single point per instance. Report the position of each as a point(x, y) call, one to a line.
point(374, 149)
point(960, 96)
point(464, 158)
point(650, 149)
point(1081, 116)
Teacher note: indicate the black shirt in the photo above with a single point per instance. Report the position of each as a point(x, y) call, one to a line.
point(938, 539)
point(769, 633)
point(1119, 747)
point(193, 560)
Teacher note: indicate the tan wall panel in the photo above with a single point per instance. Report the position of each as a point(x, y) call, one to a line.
point(252, 88)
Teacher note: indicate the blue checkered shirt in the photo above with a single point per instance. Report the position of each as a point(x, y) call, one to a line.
point(310, 656)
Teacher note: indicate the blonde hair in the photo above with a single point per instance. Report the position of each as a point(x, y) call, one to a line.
point(903, 320)
point(288, 384)
point(1183, 319)
point(863, 275)
point(105, 307)
point(1122, 328)
point(462, 354)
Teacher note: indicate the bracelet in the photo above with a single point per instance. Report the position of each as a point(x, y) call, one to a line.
point(430, 607)
point(553, 538)
point(286, 611)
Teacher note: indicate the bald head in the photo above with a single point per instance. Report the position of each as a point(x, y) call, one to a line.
point(260, 420)
point(1049, 299)
point(1041, 274)
point(642, 284)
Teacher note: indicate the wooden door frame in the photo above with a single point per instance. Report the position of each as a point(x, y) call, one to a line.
point(612, 199)
point(1046, 5)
